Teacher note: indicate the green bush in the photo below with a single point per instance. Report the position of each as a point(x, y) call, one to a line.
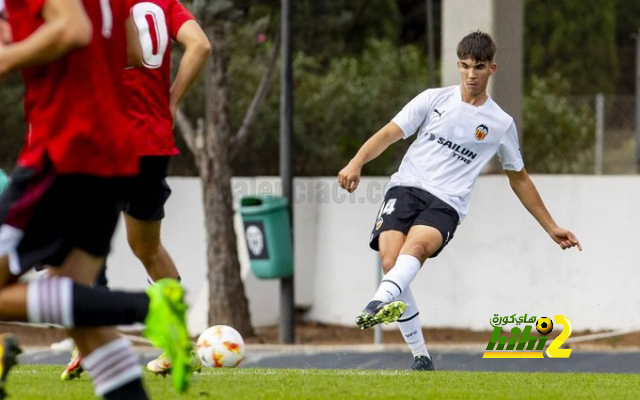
point(337, 108)
point(558, 133)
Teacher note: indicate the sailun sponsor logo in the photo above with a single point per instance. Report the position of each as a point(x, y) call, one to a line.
point(461, 153)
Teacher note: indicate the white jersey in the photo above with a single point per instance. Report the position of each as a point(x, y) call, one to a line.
point(455, 141)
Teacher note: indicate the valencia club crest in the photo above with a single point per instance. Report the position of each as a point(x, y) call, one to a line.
point(482, 131)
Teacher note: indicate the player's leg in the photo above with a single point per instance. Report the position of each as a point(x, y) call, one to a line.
point(85, 310)
point(395, 218)
point(144, 212)
point(58, 300)
point(143, 216)
point(421, 242)
point(411, 329)
point(431, 230)
point(409, 323)
point(9, 347)
point(83, 268)
point(144, 240)
point(377, 311)
point(166, 319)
point(73, 369)
point(46, 239)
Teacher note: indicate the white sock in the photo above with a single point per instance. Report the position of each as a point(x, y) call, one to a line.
point(410, 326)
point(112, 366)
point(398, 278)
point(50, 301)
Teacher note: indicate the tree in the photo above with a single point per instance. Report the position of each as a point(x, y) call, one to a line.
point(558, 133)
point(575, 38)
point(213, 146)
point(11, 120)
point(338, 107)
point(627, 25)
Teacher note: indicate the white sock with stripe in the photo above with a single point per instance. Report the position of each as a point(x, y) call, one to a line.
point(50, 301)
point(112, 366)
point(410, 327)
point(398, 279)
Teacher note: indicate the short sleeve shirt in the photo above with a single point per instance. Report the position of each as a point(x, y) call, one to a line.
point(455, 140)
point(73, 109)
point(148, 87)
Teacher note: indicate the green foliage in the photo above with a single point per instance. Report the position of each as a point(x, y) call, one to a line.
point(329, 28)
point(627, 27)
point(337, 108)
point(12, 129)
point(575, 39)
point(558, 134)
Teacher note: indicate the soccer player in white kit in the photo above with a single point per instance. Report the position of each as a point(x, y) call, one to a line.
point(459, 129)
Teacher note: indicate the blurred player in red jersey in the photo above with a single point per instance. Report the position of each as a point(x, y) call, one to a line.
point(151, 102)
point(66, 192)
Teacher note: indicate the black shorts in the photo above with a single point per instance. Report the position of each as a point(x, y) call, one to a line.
point(404, 207)
point(45, 215)
point(150, 190)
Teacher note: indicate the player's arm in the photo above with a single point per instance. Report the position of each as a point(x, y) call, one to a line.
point(526, 191)
point(134, 49)
point(66, 27)
point(349, 176)
point(196, 51)
point(5, 30)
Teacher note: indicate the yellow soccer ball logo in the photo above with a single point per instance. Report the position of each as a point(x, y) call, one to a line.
point(544, 325)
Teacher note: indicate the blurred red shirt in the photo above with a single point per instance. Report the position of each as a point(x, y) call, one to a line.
point(72, 106)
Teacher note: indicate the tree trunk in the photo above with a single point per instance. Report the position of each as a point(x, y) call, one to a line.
point(227, 301)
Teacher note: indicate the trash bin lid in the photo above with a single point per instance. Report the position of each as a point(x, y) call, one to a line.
point(251, 205)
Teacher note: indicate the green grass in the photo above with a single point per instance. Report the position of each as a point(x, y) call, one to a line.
point(42, 382)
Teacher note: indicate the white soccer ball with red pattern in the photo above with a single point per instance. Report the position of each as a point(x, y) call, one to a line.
point(220, 346)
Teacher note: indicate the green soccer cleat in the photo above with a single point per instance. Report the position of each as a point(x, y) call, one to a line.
point(166, 328)
point(9, 350)
point(377, 312)
point(73, 370)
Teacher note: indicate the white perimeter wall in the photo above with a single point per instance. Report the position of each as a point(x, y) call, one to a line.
point(500, 261)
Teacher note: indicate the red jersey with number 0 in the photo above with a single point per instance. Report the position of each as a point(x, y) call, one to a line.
point(72, 107)
point(148, 88)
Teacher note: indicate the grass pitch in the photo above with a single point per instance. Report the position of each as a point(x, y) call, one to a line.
point(39, 382)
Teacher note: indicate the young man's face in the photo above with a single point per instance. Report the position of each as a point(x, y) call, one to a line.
point(475, 75)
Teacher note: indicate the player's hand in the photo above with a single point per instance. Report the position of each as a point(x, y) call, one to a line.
point(564, 238)
point(6, 37)
point(349, 176)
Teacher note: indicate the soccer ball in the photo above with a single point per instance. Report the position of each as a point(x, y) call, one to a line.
point(220, 346)
point(544, 325)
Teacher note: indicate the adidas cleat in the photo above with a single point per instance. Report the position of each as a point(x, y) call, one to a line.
point(74, 368)
point(9, 350)
point(378, 312)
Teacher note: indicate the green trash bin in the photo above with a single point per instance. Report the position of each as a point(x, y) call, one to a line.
point(4, 181)
point(267, 233)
